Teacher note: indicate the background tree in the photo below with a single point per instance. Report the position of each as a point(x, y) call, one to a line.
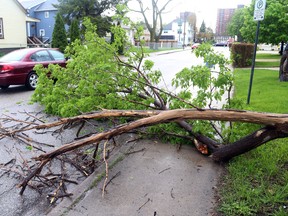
point(94, 9)
point(202, 27)
point(209, 34)
point(59, 38)
point(202, 32)
point(156, 27)
point(236, 23)
point(274, 27)
point(74, 31)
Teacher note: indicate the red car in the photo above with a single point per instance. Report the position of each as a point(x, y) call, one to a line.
point(195, 45)
point(16, 67)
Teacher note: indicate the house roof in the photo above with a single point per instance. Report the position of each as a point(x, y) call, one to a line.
point(28, 19)
point(41, 5)
point(20, 6)
point(168, 26)
point(47, 6)
point(28, 4)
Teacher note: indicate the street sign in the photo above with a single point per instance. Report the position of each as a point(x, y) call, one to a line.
point(259, 10)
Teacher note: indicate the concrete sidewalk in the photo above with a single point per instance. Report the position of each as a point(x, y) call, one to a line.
point(149, 179)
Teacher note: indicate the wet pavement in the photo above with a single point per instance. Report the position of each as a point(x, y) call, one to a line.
point(150, 178)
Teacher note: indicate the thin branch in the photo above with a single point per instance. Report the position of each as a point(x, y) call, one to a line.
point(106, 168)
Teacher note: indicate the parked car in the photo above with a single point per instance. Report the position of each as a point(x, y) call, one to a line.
point(17, 67)
point(195, 45)
point(221, 43)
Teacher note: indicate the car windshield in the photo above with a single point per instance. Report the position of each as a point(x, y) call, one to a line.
point(17, 55)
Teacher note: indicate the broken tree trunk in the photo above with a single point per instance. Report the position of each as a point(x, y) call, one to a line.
point(275, 126)
point(278, 127)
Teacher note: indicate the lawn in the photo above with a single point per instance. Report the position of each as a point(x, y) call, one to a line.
point(267, 56)
point(267, 64)
point(257, 182)
point(266, 60)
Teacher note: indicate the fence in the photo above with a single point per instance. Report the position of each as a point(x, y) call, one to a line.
point(160, 45)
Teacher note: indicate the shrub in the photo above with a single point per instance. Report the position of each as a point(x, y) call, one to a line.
point(242, 54)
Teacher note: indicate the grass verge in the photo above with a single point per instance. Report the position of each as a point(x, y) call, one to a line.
point(268, 56)
point(265, 64)
point(257, 182)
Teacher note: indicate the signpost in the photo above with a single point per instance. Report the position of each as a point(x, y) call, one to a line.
point(259, 11)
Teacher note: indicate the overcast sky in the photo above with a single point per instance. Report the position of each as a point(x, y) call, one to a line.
point(205, 9)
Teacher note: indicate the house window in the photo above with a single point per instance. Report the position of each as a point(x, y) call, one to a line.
point(46, 14)
point(1, 29)
point(42, 32)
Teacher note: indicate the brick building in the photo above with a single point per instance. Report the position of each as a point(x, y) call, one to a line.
point(224, 16)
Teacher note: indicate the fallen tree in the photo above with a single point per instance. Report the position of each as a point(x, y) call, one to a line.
point(275, 126)
point(98, 79)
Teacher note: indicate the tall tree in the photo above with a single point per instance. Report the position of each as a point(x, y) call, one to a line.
point(94, 9)
point(203, 27)
point(274, 27)
point(156, 27)
point(59, 38)
point(74, 30)
point(209, 33)
point(236, 23)
point(202, 35)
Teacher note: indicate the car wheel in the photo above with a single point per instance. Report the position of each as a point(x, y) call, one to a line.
point(31, 81)
point(4, 87)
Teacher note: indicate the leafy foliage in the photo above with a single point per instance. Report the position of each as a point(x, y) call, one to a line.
point(97, 78)
point(236, 23)
point(203, 27)
point(59, 38)
point(93, 9)
point(74, 31)
point(273, 29)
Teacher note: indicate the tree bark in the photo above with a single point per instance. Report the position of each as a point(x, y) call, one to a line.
point(276, 127)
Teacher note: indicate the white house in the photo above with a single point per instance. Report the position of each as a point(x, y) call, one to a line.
point(178, 30)
point(13, 20)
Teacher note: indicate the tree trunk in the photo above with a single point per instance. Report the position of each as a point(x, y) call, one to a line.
point(247, 143)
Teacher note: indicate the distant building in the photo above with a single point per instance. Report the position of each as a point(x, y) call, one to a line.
point(223, 18)
point(179, 30)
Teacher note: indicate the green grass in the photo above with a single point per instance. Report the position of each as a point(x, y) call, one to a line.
point(267, 64)
point(267, 95)
point(267, 56)
point(257, 182)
